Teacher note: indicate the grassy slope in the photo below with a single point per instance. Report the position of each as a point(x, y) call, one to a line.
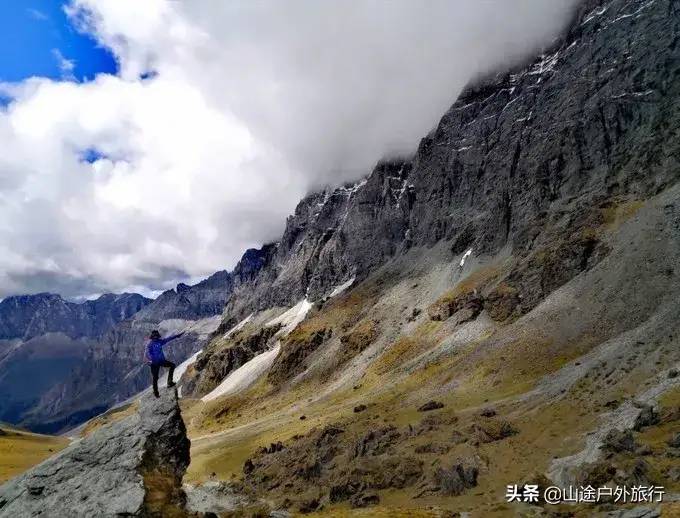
point(21, 450)
point(498, 367)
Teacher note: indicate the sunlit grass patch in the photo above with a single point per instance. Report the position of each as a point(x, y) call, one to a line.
point(20, 451)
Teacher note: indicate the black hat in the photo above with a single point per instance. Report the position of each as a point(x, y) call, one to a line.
point(154, 334)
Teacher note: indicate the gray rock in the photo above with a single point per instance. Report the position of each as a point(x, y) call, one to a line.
point(459, 477)
point(216, 497)
point(648, 416)
point(430, 405)
point(674, 442)
point(519, 152)
point(364, 500)
point(133, 468)
point(619, 441)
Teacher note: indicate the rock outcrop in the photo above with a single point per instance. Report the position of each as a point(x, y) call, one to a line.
point(130, 468)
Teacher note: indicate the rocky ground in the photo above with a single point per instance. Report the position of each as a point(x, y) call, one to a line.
point(412, 390)
point(131, 468)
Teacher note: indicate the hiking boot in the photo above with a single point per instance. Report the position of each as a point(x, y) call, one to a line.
point(171, 384)
point(155, 393)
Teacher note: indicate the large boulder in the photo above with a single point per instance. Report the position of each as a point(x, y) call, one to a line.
point(133, 467)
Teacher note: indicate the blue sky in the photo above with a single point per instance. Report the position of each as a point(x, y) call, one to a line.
point(38, 39)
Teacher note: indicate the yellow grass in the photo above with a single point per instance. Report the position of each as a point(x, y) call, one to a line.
point(20, 451)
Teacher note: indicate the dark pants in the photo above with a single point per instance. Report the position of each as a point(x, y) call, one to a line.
point(156, 367)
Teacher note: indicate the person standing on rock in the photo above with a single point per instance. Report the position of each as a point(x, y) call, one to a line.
point(154, 357)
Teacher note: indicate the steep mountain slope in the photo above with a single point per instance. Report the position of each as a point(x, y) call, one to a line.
point(516, 281)
point(592, 119)
point(28, 316)
point(33, 367)
point(45, 337)
point(522, 162)
point(113, 369)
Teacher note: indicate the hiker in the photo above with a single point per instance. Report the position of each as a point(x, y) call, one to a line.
point(154, 357)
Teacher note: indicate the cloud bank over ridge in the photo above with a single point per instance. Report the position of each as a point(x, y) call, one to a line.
point(222, 116)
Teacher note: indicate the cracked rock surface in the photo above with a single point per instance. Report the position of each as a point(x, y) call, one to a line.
point(133, 467)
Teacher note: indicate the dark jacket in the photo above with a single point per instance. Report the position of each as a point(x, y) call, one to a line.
point(153, 352)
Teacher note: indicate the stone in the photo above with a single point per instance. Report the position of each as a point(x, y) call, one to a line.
point(648, 416)
point(133, 467)
point(364, 500)
point(636, 512)
point(490, 430)
point(215, 497)
point(673, 473)
point(674, 442)
point(618, 441)
point(430, 405)
point(456, 479)
point(439, 449)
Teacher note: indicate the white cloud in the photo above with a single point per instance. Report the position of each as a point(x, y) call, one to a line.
point(250, 105)
point(66, 66)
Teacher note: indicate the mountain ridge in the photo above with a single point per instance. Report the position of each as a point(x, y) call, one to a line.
point(27, 316)
point(506, 166)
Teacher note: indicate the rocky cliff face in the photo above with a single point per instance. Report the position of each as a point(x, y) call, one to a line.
point(28, 316)
point(592, 118)
point(205, 299)
point(131, 468)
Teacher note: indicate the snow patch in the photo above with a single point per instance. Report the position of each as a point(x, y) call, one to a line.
point(465, 256)
point(342, 287)
point(246, 375)
point(238, 326)
point(593, 14)
point(202, 327)
point(291, 318)
point(352, 188)
point(179, 371)
point(636, 13)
